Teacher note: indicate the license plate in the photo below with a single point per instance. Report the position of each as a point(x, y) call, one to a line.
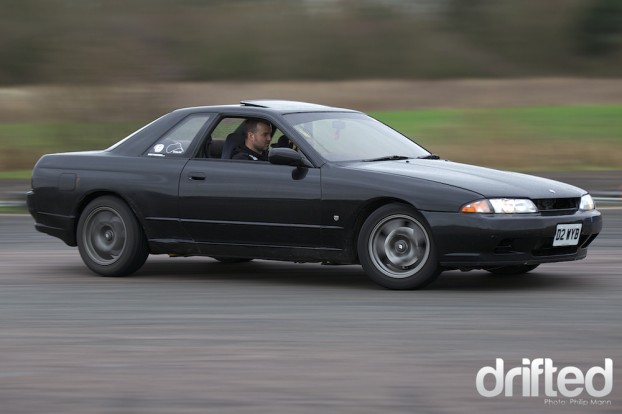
point(567, 235)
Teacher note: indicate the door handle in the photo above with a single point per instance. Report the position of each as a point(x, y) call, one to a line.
point(196, 176)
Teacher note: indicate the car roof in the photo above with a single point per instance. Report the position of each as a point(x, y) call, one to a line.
point(246, 108)
point(273, 105)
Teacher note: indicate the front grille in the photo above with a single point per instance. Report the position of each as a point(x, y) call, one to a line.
point(557, 206)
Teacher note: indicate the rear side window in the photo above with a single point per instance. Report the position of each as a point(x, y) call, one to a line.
point(178, 141)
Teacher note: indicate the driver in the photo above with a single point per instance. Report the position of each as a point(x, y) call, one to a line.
point(258, 136)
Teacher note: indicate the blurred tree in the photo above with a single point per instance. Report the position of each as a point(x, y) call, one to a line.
point(599, 28)
point(120, 41)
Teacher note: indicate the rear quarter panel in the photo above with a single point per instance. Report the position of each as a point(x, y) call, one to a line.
point(63, 184)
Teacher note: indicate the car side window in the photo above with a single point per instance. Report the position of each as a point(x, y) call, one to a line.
point(178, 141)
point(219, 135)
point(233, 125)
point(225, 127)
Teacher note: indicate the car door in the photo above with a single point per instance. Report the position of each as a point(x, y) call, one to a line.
point(153, 179)
point(251, 208)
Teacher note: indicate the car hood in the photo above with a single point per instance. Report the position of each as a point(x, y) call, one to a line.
point(485, 181)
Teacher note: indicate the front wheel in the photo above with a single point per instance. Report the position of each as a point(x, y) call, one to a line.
point(396, 250)
point(110, 239)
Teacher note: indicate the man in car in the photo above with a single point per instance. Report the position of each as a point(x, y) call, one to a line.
point(258, 136)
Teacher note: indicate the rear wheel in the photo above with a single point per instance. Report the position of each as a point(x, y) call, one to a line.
point(396, 250)
point(110, 239)
point(512, 270)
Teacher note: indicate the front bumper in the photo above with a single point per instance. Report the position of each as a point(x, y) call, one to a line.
point(475, 241)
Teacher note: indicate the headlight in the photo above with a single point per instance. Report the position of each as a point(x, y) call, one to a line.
point(500, 206)
point(587, 203)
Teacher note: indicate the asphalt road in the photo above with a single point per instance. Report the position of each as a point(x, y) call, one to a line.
point(191, 335)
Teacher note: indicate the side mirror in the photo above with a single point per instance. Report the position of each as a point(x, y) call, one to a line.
point(285, 156)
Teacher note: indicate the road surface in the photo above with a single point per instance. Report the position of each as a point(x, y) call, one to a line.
point(191, 335)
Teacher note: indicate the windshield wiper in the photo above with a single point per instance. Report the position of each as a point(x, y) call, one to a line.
point(389, 158)
point(429, 157)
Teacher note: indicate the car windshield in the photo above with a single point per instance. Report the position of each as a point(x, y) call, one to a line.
point(342, 136)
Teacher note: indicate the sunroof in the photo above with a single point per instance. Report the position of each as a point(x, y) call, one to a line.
point(281, 104)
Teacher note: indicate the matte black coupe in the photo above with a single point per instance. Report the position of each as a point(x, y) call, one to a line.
point(339, 188)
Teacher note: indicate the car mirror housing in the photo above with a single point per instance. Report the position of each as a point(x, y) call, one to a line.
point(285, 156)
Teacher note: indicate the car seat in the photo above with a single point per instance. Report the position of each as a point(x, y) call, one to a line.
point(234, 140)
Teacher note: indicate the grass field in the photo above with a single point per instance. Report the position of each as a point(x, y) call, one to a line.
point(527, 138)
point(532, 138)
point(24, 143)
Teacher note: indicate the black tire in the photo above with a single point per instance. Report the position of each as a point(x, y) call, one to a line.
point(512, 270)
point(110, 239)
point(396, 249)
point(232, 260)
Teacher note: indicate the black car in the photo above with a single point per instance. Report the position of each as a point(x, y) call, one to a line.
point(339, 188)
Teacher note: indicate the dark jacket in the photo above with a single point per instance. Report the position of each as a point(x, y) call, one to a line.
point(245, 153)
